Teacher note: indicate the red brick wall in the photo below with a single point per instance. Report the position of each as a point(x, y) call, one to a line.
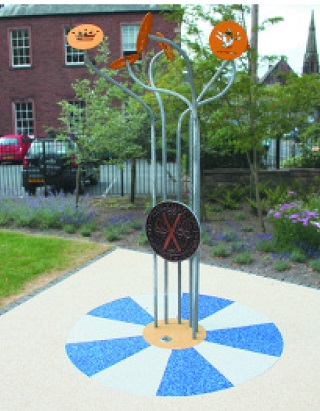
point(49, 80)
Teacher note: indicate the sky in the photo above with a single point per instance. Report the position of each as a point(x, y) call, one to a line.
point(288, 37)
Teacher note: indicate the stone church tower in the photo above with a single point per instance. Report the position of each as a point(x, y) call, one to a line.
point(311, 58)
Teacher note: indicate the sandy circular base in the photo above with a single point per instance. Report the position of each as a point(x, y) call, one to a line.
point(173, 336)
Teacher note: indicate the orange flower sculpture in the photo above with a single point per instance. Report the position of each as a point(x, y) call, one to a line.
point(121, 63)
point(168, 51)
point(145, 30)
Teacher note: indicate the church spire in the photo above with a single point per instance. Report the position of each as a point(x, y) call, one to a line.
point(311, 59)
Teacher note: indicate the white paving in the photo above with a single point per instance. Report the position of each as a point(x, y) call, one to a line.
point(234, 315)
point(131, 376)
point(235, 364)
point(91, 328)
point(37, 375)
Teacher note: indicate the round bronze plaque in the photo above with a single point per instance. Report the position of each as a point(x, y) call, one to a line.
point(173, 231)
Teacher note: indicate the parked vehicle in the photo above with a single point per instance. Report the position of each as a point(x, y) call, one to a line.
point(53, 164)
point(13, 147)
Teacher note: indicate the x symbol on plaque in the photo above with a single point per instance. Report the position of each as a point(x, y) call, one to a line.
point(172, 229)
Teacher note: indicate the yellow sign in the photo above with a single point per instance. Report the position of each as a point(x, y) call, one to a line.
point(228, 40)
point(85, 36)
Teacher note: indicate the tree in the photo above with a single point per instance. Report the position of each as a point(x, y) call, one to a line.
point(110, 124)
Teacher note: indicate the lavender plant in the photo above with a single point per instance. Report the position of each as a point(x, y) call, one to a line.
point(295, 227)
point(46, 212)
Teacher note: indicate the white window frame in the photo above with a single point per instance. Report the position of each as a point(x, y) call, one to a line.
point(24, 117)
point(72, 56)
point(20, 48)
point(129, 33)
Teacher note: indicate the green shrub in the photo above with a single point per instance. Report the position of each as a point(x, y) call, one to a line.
point(240, 216)
point(243, 258)
point(69, 228)
point(282, 265)
point(142, 239)
point(298, 256)
point(85, 231)
point(266, 245)
point(295, 227)
point(230, 235)
point(315, 265)
point(4, 219)
point(112, 234)
point(220, 250)
point(238, 246)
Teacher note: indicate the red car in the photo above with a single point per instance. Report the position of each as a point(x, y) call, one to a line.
point(13, 147)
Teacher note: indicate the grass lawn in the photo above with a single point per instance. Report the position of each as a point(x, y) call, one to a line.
point(26, 259)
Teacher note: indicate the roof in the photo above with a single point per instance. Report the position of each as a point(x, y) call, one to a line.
point(24, 10)
point(273, 72)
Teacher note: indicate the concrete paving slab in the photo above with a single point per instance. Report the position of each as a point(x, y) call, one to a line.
point(37, 374)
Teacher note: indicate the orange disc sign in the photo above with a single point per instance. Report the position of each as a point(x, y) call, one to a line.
point(145, 30)
point(228, 40)
point(121, 63)
point(85, 36)
point(168, 51)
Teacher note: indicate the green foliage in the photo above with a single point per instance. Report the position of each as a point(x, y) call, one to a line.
point(142, 239)
point(229, 235)
point(240, 216)
point(85, 231)
point(295, 227)
point(69, 229)
point(229, 197)
point(282, 265)
point(266, 245)
point(315, 265)
point(243, 258)
point(113, 234)
point(298, 256)
point(220, 250)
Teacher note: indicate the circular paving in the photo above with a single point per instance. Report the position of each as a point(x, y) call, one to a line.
point(116, 344)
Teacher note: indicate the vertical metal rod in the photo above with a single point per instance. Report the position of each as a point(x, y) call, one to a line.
point(155, 290)
point(190, 293)
point(179, 292)
point(166, 291)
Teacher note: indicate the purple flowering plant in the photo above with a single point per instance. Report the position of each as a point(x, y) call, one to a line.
point(295, 226)
point(53, 211)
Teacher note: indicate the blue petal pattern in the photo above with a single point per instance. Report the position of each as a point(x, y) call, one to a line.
point(124, 309)
point(208, 305)
point(188, 373)
point(261, 338)
point(93, 357)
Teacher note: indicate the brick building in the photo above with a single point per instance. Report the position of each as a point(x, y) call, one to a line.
point(37, 66)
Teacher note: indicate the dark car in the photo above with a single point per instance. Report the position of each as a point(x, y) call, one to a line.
point(13, 147)
point(53, 164)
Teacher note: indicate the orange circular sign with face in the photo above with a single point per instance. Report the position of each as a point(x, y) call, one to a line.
point(85, 36)
point(228, 40)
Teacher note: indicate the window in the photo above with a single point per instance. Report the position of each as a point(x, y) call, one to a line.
point(24, 122)
point(20, 48)
point(76, 116)
point(72, 56)
point(129, 39)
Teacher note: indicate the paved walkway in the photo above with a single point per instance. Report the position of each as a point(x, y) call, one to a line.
point(37, 374)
